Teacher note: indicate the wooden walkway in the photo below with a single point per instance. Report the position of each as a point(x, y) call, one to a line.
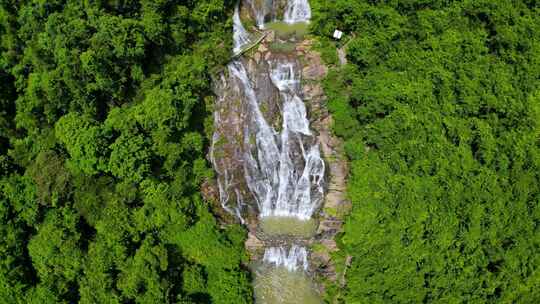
point(250, 46)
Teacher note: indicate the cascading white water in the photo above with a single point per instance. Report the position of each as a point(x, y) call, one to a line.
point(260, 8)
point(284, 171)
point(297, 11)
point(293, 260)
point(272, 176)
point(240, 35)
point(283, 76)
point(283, 278)
point(294, 193)
point(260, 174)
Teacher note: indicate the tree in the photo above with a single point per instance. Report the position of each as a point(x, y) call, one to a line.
point(436, 110)
point(56, 253)
point(102, 152)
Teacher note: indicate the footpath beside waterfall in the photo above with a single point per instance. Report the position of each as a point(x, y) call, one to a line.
point(270, 129)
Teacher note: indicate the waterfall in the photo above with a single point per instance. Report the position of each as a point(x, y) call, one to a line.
point(293, 260)
point(261, 174)
point(297, 11)
point(283, 171)
point(294, 192)
point(281, 187)
point(283, 75)
point(266, 156)
point(260, 9)
point(240, 35)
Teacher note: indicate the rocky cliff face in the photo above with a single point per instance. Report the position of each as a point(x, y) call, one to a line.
point(233, 129)
point(335, 205)
point(234, 135)
point(271, 125)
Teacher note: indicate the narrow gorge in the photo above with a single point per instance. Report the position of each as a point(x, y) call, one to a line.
point(270, 129)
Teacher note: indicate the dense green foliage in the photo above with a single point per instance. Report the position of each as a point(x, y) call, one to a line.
point(104, 109)
point(439, 106)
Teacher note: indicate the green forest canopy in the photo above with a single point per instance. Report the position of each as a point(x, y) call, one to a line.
point(439, 107)
point(103, 129)
point(105, 113)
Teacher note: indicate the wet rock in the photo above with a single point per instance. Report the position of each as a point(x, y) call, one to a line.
point(315, 69)
point(301, 48)
point(264, 11)
point(270, 37)
point(307, 43)
point(253, 243)
point(267, 94)
point(330, 245)
point(314, 72)
point(279, 8)
point(209, 191)
point(235, 132)
point(322, 256)
point(335, 205)
point(312, 91)
point(262, 48)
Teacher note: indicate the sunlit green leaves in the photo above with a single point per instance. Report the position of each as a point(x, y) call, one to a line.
point(102, 153)
point(438, 110)
point(55, 250)
point(84, 141)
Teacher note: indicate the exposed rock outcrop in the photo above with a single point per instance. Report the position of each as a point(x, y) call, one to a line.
point(335, 206)
point(232, 136)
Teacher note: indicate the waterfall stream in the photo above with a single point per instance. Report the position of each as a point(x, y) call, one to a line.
point(240, 35)
point(279, 186)
point(294, 259)
point(282, 167)
point(297, 11)
point(261, 8)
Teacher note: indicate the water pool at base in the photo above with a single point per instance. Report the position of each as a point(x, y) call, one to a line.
point(277, 285)
point(290, 226)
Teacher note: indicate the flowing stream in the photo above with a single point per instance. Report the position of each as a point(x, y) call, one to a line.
point(282, 167)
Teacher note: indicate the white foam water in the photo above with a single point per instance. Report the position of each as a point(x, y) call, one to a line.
point(261, 8)
point(297, 11)
point(240, 34)
point(280, 187)
point(293, 259)
point(284, 171)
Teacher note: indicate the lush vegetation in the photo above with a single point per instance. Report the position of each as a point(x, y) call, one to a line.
point(439, 106)
point(104, 115)
point(105, 112)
